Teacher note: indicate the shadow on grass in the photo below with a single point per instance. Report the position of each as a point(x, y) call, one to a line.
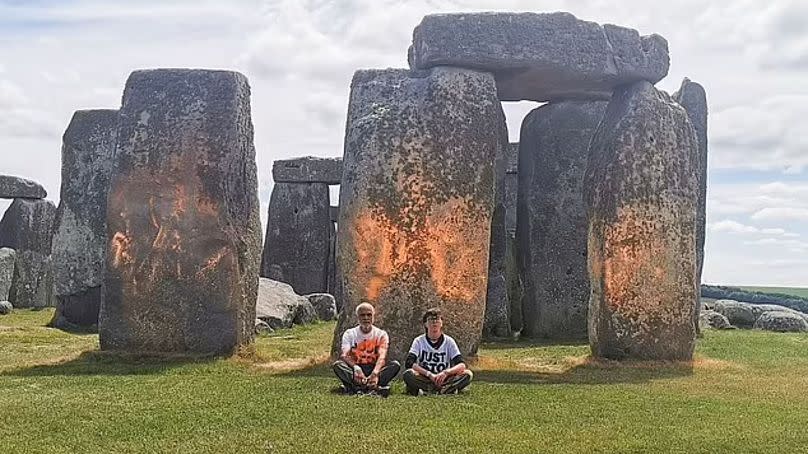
point(106, 363)
point(528, 343)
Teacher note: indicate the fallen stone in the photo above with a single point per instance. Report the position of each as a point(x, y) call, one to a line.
point(552, 225)
point(27, 227)
point(540, 57)
point(298, 235)
point(713, 320)
point(782, 322)
point(417, 200)
point(12, 187)
point(184, 229)
point(308, 170)
point(5, 308)
point(746, 314)
point(79, 243)
point(641, 192)
point(279, 306)
point(324, 305)
point(262, 327)
point(8, 257)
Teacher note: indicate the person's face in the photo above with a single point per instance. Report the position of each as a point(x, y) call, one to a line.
point(434, 326)
point(365, 319)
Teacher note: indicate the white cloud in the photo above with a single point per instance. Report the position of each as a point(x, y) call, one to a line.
point(782, 213)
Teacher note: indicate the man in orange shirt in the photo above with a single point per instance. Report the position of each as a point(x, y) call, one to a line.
point(362, 366)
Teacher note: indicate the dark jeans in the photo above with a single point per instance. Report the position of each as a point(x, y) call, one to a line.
point(345, 374)
point(416, 381)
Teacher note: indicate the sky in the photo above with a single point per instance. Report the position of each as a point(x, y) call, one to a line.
point(752, 58)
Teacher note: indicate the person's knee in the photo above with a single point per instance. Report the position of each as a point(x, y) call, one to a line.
point(395, 365)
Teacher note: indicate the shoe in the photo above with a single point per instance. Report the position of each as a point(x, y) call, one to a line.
point(384, 391)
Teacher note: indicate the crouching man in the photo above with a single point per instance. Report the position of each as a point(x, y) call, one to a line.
point(362, 366)
point(434, 363)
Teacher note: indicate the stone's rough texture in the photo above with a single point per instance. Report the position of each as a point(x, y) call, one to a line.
point(279, 306)
point(511, 187)
point(641, 192)
point(262, 327)
point(12, 187)
point(333, 213)
point(746, 314)
point(298, 235)
point(182, 216)
point(80, 232)
point(514, 283)
point(308, 170)
point(7, 258)
point(27, 227)
point(497, 308)
point(709, 319)
point(324, 305)
point(512, 158)
point(783, 322)
point(417, 200)
point(540, 57)
point(5, 307)
point(332, 256)
point(552, 226)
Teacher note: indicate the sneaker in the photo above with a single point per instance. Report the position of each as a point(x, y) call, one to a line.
point(384, 391)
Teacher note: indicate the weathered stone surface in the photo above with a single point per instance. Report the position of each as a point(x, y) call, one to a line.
point(298, 234)
point(27, 227)
point(417, 200)
point(79, 242)
point(324, 305)
point(279, 306)
point(332, 257)
point(308, 169)
point(5, 307)
point(12, 187)
point(497, 308)
point(7, 258)
point(514, 282)
point(333, 213)
point(262, 327)
point(540, 57)
point(551, 218)
point(641, 192)
point(782, 322)
point(745, 315)
point(709, 319)
point(182, 216)
point(511, 187)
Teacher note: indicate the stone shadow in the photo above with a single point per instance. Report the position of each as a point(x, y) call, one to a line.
point(99, 363)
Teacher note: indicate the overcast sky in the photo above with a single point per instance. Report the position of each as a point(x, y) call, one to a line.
point(752, 58)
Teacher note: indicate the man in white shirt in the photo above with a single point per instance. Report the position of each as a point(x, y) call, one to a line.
point(362, 366)
point(434, 363)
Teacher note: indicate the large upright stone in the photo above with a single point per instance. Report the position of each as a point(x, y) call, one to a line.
point(297, 239)
point(417, 200)
point(308, 169)
point(182, 216)
point(511, 187)
point(497, 310)
point(551, 221)
point(27, 227)
point(540, 57)
point(641, 192)
point(80, 238)
point(12, 187)
point(7, 258)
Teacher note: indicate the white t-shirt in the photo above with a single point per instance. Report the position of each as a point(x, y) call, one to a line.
point(364, 347)
point(435, 359)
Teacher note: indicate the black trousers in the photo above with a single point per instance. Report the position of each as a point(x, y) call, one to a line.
point(345, 374)
point(416, 381)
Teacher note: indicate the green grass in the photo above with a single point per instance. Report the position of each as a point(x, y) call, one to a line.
point(796, 291)
point(746, 392)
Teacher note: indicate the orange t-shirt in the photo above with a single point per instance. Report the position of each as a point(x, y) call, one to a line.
point(364, 347)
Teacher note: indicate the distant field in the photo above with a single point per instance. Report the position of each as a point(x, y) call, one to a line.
point(796, 291)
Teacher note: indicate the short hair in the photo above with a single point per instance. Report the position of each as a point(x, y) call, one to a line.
point(364, 305)
point(431, 312)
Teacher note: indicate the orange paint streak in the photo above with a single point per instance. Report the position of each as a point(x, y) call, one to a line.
point(213, 261)
point(119, 247)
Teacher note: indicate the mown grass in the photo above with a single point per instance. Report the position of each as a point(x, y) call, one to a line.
point(796, 291)
point(746, 392)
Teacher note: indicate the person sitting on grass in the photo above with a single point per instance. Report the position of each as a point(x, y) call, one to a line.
point(362, 366)
point(434, 363)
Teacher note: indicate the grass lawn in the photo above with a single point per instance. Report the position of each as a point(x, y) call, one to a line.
point(746, 392)
point(796, 291)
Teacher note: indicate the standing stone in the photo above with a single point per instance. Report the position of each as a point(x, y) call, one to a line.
point(511, 187)
point(182, 216)
point(12, 187)
point(79, 243)
point(641, 193)
point(692, 97)
point(7, 258)
point(551, 228)
point(332, 254)
point(27, 227)
point(297, 239)
point(540, 57)
point(417, 200)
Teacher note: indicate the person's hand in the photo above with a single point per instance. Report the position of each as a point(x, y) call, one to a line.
point(373, 380)
point(440, 378)
point(359, 376)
